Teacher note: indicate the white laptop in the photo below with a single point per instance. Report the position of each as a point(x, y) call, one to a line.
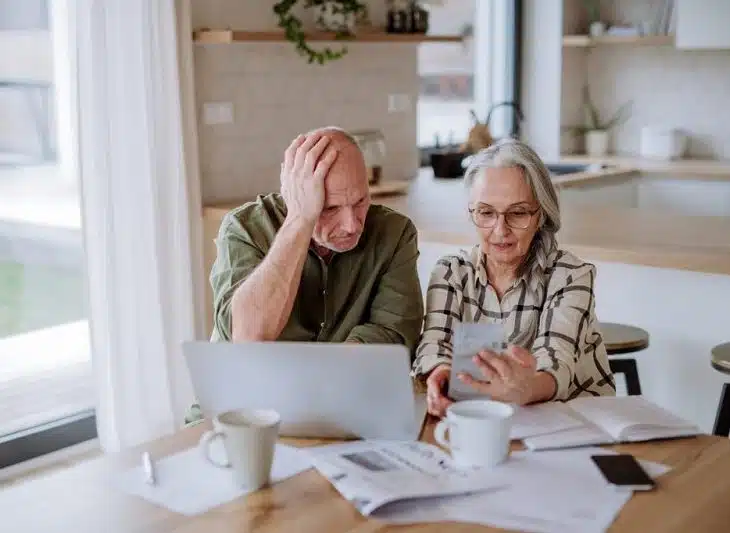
point(321, 390)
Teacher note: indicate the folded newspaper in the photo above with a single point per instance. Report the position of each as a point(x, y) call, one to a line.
point(371, 474)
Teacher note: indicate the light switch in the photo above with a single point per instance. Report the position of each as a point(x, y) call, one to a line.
point(398, 103)
point(218, 113)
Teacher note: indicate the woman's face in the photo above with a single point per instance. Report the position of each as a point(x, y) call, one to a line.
point(505, 213)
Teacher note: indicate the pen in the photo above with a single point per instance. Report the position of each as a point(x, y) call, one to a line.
point(149, 468)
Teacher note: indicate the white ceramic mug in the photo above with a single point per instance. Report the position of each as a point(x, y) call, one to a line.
point(479, 432)
point(249, 439)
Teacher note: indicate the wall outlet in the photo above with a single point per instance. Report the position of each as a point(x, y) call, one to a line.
point(398, 103)
point(218, 113)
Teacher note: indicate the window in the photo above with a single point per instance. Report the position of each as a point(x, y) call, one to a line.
point(457, 79)
point(46, 397)
point(446, 76)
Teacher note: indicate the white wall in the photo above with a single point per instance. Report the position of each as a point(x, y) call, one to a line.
point(685, 314)
point(687, 89)
point(671, 88)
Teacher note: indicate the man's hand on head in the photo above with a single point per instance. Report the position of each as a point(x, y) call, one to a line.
point(306, 163)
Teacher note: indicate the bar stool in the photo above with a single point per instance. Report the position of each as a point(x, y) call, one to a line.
point(623, 339)
point(721, 363)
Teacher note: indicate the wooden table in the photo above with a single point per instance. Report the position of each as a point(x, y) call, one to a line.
point(694, 496)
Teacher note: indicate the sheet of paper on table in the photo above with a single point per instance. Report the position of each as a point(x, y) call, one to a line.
point(373, 473)
point(536, 492)
point(187, 484)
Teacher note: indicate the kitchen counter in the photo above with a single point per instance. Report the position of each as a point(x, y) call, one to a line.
point(599, 233)
point(614, 234)
point(679, 168)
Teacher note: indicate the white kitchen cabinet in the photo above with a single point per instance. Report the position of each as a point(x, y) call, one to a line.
point(685, 197)
point(702, 24)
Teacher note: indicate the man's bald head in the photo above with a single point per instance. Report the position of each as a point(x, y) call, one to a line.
point(335, 134)
point(347, 195)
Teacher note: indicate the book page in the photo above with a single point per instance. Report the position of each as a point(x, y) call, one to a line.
point(586, 435)
point(619, 416)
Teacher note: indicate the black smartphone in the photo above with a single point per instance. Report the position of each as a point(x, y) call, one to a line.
point(623, 471)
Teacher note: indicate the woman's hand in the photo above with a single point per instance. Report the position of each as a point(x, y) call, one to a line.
point(435, 385)
point(508, 377)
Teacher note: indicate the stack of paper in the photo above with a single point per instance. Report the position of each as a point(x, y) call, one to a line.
point(371, 474)
point(537, 492)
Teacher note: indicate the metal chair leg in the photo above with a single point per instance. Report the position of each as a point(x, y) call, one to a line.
point(628, 368)
point(722, 419)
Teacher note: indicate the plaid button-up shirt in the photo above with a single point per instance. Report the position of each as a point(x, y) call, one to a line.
point(558, 324)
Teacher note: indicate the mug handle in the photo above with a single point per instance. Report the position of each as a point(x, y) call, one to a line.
point(439, 434)
point(205, 441)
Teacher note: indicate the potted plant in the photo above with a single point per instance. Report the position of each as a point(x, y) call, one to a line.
point(338, 16)
point(596, 130)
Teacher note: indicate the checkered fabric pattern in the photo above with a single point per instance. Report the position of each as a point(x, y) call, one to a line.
point(557, 324)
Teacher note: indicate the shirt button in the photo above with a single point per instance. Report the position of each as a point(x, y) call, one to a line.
point(321, 325)
point(324, 292)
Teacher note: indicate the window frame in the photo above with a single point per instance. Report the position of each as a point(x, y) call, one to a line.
point(61, 433)
point(491, 86)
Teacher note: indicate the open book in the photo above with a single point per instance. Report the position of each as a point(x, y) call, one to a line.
point(612, 419)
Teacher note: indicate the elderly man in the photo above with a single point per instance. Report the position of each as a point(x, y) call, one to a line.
point(318, 262)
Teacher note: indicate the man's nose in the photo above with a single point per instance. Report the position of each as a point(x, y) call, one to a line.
point(350, 223)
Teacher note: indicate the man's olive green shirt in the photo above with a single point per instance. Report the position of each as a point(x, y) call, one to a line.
point(369, 294)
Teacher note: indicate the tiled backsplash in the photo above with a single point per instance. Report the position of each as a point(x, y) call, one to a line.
point(276, 95)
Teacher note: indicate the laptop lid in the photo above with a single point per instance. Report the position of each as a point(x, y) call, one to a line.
point(321, 390)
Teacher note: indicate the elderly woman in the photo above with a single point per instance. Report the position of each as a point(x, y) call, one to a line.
point(516, 276)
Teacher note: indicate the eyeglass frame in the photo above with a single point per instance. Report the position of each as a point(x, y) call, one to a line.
point(500, 214)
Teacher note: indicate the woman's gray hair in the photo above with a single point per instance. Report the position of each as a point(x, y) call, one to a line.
point(509, 153)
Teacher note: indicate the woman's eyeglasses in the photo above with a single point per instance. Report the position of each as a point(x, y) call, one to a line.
point(486, 217)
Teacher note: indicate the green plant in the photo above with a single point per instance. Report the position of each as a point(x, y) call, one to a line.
point(294, 29)
point(593, 119)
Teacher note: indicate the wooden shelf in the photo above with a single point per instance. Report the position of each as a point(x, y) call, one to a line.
point(582, 41)
point(389, 188)
point(206, 36)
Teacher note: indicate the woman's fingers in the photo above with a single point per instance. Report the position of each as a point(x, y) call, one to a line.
point(479, 386)
point(498, 364)
point(521, 356)
point(487, 371)
point(436, 401)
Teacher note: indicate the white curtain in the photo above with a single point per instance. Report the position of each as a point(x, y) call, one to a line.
point(136, 215)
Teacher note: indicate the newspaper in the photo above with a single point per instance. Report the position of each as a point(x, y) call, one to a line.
point(469, 339)
point(371, 474)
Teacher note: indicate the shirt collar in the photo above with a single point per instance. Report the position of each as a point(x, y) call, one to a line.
point(482, 271)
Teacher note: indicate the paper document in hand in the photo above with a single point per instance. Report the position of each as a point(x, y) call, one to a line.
point(371, 474)
point(469, 339)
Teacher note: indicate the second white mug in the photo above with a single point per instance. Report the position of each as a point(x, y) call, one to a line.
point(249, 438)
point(479, 432)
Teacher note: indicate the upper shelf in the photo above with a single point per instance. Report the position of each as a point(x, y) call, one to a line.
point(645, 40)
point(207, 36)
